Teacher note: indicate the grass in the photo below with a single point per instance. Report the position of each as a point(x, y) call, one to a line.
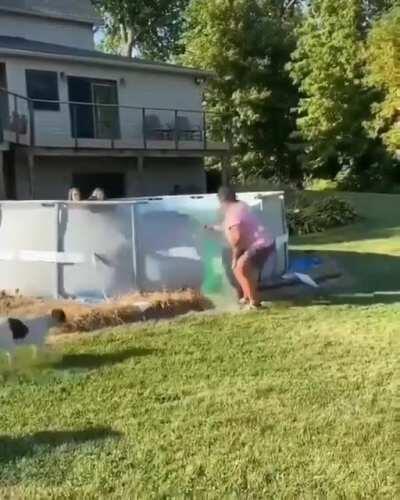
point(289, 404)
point(296, 402)
point(368, 251)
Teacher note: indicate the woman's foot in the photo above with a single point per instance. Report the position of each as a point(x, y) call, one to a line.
point(243, 301)
point(254, 306)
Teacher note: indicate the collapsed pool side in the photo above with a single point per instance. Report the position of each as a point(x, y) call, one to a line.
point(101, 250)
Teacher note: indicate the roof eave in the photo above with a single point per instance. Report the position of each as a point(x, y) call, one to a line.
point(95, 20)
point(134, 64)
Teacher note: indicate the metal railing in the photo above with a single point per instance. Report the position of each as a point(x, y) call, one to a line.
point(44, 123)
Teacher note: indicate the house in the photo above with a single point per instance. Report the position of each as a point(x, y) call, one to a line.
point(71, 115)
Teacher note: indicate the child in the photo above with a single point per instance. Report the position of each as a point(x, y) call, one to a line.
point(74, 194)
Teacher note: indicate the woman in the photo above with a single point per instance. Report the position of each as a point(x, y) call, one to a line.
point(250, 242)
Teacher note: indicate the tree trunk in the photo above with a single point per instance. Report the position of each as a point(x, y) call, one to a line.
point(129, 40)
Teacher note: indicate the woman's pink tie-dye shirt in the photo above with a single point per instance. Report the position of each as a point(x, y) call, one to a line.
point(253, 234)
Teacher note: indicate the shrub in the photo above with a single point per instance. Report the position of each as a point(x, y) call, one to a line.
point(319, 215)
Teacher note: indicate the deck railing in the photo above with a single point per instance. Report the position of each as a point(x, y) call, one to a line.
point(65, 124)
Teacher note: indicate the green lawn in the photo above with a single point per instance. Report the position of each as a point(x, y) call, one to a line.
point(369, 251)
point(296, 402)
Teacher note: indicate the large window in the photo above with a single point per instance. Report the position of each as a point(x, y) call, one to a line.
point(43, 86)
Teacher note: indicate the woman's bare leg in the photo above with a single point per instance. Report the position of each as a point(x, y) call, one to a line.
point(247, 276)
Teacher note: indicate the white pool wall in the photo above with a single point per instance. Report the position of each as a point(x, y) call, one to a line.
point(105, 249)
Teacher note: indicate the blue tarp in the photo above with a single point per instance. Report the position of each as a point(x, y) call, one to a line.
point(304, 264)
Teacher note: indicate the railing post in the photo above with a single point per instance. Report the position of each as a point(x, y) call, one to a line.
point(144, 131)
point(204, 130)
point(176, 131)
point(113, 128)
point(16, 119)
point(75, 123)
point(31, 108)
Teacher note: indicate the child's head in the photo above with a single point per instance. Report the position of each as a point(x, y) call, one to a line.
point(74, 194)
point(98, 195)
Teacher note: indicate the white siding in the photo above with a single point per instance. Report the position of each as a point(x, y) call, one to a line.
point(56, 31)
point(140, 88)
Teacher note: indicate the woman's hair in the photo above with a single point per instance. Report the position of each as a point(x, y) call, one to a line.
point(74, 194)
point(227, 194)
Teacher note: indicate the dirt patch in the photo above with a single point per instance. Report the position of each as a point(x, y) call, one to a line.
point(130, 308)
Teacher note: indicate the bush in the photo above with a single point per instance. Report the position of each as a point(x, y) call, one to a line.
point(319, 215)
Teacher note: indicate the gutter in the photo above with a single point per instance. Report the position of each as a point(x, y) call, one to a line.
point(130, 65)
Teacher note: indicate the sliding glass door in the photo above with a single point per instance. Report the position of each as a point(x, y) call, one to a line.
point(94, 108)
point(106, 116)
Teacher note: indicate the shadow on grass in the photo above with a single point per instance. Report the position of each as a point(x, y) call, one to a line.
point(364, 279)
point(335, 300)
point(373, 299)
point(91, 361)
point(366, 272)
point(12, 449)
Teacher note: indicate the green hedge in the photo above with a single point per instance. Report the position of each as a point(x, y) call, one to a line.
point(306, 217)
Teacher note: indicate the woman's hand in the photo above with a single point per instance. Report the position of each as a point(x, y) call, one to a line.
point(214, 228)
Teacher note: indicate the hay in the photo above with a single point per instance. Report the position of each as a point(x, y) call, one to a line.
point(129, 308)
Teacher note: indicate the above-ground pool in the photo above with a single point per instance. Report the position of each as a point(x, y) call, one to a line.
point(104, 249)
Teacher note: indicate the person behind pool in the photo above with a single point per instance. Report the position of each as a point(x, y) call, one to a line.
point(74, 194)
point(97, 195)
point(250, 244)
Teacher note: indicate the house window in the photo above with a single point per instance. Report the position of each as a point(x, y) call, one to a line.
point(43, 86)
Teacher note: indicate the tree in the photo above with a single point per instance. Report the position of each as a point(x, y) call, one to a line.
point(383, 60)
point(329, 69)
point(151, 27)
point(247, 44)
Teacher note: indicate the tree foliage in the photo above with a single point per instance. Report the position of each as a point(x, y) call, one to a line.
point(151, 27)
point(303, 87)
point(328, 68)
point(383, 59)
point(247, 44)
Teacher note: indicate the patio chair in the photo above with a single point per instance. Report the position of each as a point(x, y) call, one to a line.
point(187, 131)
point(18, 123)
point(155, 131)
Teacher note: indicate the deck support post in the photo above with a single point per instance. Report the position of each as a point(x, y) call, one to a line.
point(31, 167)
point(3, 194)
point(140, 171)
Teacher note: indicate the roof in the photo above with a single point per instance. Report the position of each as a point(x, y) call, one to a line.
point(76, 10)
point(30, 48)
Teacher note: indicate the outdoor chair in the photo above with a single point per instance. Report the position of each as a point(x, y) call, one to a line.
point(187, 131)
point(155, 131)
point(18, 123)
